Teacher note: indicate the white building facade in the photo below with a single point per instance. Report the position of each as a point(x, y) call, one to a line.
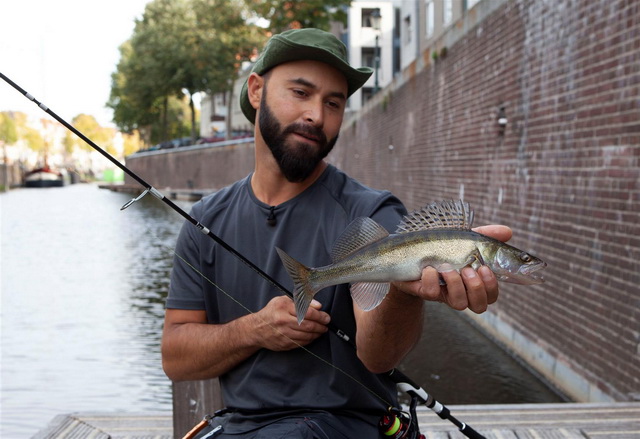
point(362, 36)
point(423, 22)
point(406, 29)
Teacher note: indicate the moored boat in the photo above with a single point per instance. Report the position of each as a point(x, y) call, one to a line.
point(44, 177)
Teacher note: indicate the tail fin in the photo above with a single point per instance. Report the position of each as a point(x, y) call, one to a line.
point(303, 291)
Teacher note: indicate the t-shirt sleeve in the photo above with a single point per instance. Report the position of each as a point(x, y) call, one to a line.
point(389, 212)
point(185, 288)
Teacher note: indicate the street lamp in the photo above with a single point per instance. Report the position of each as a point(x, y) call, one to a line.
point(376, 18)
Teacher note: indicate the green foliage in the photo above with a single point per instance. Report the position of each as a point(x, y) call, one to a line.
point(131, 143)
point(178, 48)
point(296, 14)
point(14, 127)
point(34, 140)
point(90, 127)
point(183, 47)
point(8, 131)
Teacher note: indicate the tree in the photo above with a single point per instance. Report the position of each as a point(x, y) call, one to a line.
point(8, 136)
point(296, 14)
point(178, 48)
point(131, 143)
point(35, 141)
point(223, 40)
point(89, 126)
point(8, 131)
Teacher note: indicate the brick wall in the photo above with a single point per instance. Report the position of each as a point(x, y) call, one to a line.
point(203, 168)
point(565, 174)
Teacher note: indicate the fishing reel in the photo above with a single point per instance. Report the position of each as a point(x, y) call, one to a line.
point(398, 424)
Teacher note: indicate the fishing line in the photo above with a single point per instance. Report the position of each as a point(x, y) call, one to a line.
point(401, 380)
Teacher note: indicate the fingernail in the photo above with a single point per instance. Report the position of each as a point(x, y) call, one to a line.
point(469, 272)
point(445, 268)
point(316, 304)
point(485, 273)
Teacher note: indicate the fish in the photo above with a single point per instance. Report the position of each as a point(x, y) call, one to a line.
point(369, 258)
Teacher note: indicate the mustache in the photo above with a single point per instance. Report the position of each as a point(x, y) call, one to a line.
point(307, 131)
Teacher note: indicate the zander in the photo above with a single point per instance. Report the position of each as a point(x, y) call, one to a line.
point(439, 235)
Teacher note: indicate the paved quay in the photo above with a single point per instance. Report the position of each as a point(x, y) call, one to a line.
point(173, 194)
point(512, 421)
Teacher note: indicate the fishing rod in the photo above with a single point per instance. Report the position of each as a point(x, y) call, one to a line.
point(400, 379)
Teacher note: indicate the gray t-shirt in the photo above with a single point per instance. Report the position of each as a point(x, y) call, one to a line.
point(306, 228)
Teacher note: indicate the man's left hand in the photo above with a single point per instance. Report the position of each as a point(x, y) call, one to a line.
point(464, 289)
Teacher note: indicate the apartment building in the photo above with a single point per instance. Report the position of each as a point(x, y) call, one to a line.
point(386, 35)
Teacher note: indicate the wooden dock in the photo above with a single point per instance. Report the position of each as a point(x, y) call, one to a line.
point(515, 421)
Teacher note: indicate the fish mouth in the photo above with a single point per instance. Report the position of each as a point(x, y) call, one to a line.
point(533, 271)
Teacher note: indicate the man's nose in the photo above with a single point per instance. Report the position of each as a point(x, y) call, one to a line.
point(314, 113)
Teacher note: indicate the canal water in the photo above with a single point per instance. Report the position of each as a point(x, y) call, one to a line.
point(82, 301)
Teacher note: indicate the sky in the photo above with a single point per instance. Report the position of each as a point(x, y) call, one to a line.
point(63, 52)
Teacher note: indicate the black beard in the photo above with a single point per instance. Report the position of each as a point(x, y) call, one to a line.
point(298, 160)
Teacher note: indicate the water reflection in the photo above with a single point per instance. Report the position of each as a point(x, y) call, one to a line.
point(457, 364)
point(83, 288)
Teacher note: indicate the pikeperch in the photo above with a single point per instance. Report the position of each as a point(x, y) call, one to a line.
point(439, 235)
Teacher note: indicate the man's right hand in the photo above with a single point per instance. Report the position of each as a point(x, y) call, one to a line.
point(277, 326)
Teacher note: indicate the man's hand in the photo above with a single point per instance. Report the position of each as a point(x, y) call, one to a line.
point(277, 326)
point(467, 289)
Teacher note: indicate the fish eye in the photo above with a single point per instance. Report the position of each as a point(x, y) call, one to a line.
point(525, 257)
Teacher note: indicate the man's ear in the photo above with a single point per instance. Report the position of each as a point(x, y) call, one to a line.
point(255, 86)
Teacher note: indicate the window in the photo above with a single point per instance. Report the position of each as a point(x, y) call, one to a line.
point(366, 16)
point(369, 57)
point(407, 31)
point(448, 11)
point(471, 3)
point(367, 93)
point(431, 18)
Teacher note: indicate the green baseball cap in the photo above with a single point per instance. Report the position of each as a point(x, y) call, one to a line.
point(304, 44)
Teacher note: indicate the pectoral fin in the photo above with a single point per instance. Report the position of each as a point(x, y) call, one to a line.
point(368, 295)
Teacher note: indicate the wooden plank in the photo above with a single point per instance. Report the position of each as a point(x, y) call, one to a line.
point(70, 427)
point(129, 426)
point(522, 421)
point(192, 400)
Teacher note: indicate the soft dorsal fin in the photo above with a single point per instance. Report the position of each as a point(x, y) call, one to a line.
point(446, 214)
point(362, 231)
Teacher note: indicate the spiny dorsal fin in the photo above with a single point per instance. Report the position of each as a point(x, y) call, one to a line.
point(446, 214)
point(362, 231)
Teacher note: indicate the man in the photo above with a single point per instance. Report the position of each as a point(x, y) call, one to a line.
point(281, 379)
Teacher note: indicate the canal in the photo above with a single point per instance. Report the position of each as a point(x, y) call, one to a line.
point(82, 301)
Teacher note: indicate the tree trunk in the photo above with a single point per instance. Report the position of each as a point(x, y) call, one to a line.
point(165, 118)
point(193, 119)
point(229, 112)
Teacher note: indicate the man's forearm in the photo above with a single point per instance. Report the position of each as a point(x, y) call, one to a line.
point(196, 351)
point(387, 333)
